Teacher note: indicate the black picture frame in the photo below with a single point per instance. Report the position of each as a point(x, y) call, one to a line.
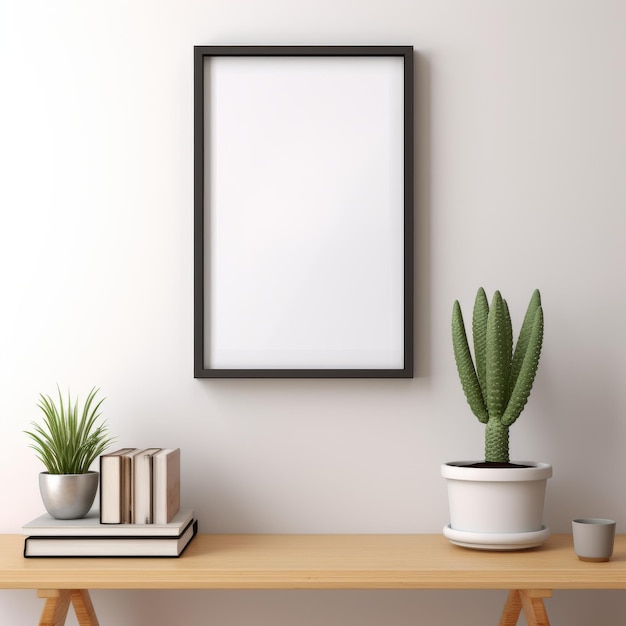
point(231, 61)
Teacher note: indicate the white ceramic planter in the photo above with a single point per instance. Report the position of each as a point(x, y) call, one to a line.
point(496, 501)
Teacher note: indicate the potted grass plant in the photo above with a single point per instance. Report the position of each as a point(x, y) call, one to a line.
point(496, 503)
point(67, 441)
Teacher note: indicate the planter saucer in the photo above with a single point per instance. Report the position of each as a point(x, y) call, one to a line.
point(496, 541)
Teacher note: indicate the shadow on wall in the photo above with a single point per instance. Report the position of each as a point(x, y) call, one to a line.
point(335, 608)
point(582, 430)
point(422, 240)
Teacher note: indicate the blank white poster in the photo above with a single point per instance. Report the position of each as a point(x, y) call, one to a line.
point(304, 196)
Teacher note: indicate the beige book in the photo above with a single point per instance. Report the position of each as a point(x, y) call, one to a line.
point(166, 485)
point(142, 486)
point(112, 486)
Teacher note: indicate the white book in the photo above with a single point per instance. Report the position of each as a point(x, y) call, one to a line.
point(142, 486)
point(90, 526)
point(166, 485)
point(112, 486)
point(128, 471)
point(145, 546)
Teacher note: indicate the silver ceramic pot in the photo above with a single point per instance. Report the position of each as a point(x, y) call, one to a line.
point(68, 496)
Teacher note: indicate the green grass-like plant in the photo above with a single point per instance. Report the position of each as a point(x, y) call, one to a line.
point(68, 440)
point(498, 381)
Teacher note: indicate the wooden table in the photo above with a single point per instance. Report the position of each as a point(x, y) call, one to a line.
point(317, 562)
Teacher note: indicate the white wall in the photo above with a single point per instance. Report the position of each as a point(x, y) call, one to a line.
point(521, 145)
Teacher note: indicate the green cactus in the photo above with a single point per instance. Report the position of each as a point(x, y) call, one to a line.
point(498, 381)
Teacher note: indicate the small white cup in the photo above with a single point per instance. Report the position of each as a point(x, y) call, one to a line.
point(593, 538)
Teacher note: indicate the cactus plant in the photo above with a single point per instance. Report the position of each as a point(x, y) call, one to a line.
point(498, 380)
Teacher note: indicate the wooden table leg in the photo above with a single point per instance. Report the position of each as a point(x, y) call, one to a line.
point(531, 602)
point(58, 602)
point(84, 608)
point(512, 609)
point(534, 609)
point(56, 606)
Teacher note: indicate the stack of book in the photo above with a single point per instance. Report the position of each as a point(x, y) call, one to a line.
point(139, 486)
point(87, 537)
point(139, 512)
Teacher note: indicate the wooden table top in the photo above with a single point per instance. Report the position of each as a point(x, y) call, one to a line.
point(321, 562)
